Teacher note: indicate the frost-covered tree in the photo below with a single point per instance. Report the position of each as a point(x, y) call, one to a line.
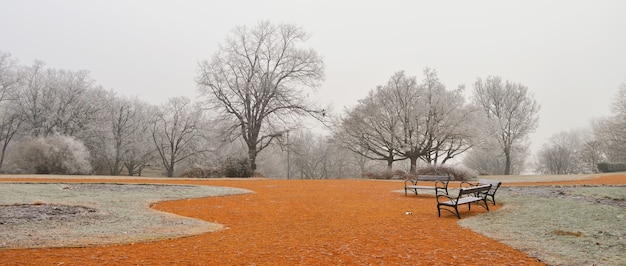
point(560, 155)
point(175, 132)
point(258, 82)
point(570, 152)
point(57, 101)
point(128, 135)
point(406, 120)
point(11, 76)
point(611, 131)
point(511, 115)
point(436, 127)
point(369, 129)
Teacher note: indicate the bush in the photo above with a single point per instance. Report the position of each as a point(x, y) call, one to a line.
point(458, 173)
point(394, 174)
point(236, 167)
point(611, 167)
point(54, 154)
point(202, 172)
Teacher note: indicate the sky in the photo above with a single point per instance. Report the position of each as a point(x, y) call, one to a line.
point(570, 54)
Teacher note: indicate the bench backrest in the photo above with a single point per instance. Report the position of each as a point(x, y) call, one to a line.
point(474, 190)
point(494, 185)
point(442, 178)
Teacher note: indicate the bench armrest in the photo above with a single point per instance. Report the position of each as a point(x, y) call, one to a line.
point(445, 196)
point(466, 184)
point(413, 182)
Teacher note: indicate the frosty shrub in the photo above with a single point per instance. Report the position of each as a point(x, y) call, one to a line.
point(611, 167)
point(202, 172)
point(236, 167)
point(385, 174)
point(53, 154)
point(458, 173)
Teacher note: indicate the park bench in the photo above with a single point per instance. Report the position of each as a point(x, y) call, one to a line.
point(494, 187)
point(441, 182)
point(467, 195)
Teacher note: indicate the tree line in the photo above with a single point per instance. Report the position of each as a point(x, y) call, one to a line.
point(252, 105)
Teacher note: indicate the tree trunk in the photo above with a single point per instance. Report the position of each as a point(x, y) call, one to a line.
point(413, 164)
point(252, 153)
point(507, 164)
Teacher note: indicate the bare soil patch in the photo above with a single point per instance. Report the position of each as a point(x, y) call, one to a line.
point(35, 213)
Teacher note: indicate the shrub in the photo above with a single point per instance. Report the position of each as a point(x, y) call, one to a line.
point(394, 174)
point(54, 154)
point(458, 173)
point(202, 172)
point(611, 167)
point(236, 167)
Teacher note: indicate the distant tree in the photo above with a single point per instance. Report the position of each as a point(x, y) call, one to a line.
point(405, 120)
point(257, 80)
point(369, 129)
point(11, 77)
point(128, 134)
point(560, 155)
point(611, 131)
point(58, 101)
point(175, 132)
point(511, 115)
point(437, 125)
point(483, 158)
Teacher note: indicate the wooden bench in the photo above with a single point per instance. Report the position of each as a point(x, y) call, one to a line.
point(441, 182)
point(494, 187)
point(467, 195)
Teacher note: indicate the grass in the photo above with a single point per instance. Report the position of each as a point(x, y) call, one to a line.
point(124, 214)
point(560, 231)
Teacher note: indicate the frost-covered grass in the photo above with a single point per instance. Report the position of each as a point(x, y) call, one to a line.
point(618, 193)
point(123, 213)
point(560, 229)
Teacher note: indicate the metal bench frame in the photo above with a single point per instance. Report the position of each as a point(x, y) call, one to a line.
point(494, 187)
point(441, 183)
point(467, 195)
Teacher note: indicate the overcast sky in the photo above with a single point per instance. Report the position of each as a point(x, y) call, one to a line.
point(570, 54)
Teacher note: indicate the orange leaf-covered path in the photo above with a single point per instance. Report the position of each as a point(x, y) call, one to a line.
point(299, 222)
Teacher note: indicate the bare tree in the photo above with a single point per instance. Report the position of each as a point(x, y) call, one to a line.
point(405, 120)
point(370, 129)
point(511, 112)
point(611, 131)
point(128, 134)
point(175, 132)
point(58, 101)
point(10, 78)
point(437, 124)
point(139, 151)
point(561, 154)
point(257, 80)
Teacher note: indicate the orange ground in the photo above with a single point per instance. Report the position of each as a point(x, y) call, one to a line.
point(289, 222)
